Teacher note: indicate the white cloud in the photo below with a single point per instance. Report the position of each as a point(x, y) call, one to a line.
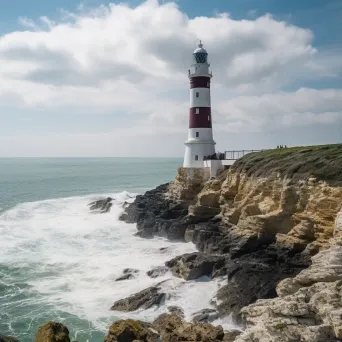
point(150, 41)
point(280, 110)
point(132, 61)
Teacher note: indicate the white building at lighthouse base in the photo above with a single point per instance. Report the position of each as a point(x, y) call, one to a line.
point(198, 147)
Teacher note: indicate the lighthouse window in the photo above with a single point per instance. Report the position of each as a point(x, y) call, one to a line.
point(197, 110)
point(197, 134)
point(196, 157)
point(197, 94)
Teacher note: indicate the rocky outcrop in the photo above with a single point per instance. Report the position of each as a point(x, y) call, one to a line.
point(157, 215)
point(102, 205)
point(166, 328)
point(205, 315)
point(309, 306)
point(52, 332)
point(255, 275)
point(187, 184)
point(157, 271)
point(195, 265)
point(176, 310)
point(128, 273)
point(131, 330)
point(143, 299)
point(173, 329)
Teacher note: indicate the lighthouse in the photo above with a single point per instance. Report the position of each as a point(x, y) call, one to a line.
point(200, 143)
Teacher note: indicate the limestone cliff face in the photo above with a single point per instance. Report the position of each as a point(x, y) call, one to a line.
point(291, 199)
point(294, 213)
point(187, 184)
point(293, 207)
point(309, 306)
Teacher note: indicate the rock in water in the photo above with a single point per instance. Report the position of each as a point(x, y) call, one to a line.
point(52, 332)
point(157, 271)
point(8, 339)
point(143, 299)
point(176, 310)
point(195, 265)
point(128, 273)
point(101, 205)
point(205, 315)
point(130, 330)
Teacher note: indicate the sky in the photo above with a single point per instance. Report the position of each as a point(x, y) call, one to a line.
point(109, 78)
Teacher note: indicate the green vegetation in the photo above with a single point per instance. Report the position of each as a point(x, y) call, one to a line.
point(322, 161)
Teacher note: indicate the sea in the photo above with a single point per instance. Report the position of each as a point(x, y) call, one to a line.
point(59, 261)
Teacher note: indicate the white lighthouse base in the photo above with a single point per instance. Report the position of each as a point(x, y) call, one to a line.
point(195, 152)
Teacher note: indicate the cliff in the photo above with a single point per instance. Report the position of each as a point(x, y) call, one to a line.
point(263, 224)
point(288, 195)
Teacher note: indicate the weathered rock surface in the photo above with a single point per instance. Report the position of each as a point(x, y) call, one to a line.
point(102, 205)
point(309, 306)
point(231, 335)
point(128, 273)
point(205, 315)
point(194, 265)
point(8, 339)
point(52, 332)
point(130, 330)
point(176, 310)
point(173, 329)
point(267, 216)
point(143, 299)
point(157, 271)
point(255, 275)
point(157, 215)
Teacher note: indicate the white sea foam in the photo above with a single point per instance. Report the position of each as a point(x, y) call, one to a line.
point(75, 256)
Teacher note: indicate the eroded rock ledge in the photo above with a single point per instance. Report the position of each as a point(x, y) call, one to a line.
point(262, 220)
point(166, 328)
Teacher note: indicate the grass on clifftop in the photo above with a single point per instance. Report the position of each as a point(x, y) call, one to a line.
point(322, 161)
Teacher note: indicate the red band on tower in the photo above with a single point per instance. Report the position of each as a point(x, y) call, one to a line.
point(200, 117)
point(200, 82)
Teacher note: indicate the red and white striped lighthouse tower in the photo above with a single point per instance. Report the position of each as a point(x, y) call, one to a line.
point(200, 141)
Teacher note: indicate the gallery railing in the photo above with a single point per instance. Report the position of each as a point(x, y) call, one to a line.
point(234, 155)
point(229, 155)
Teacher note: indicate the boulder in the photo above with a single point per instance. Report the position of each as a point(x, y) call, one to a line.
point(128, 273)
point(157, 271)
point(52, 332)
point(176, 310)
point(130, 330)
point(102, 205)
point(194, 265)
point(205, 315)
point(173, 329)
point(143, 299)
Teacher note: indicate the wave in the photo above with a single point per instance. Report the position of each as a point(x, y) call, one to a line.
point(67, 260)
